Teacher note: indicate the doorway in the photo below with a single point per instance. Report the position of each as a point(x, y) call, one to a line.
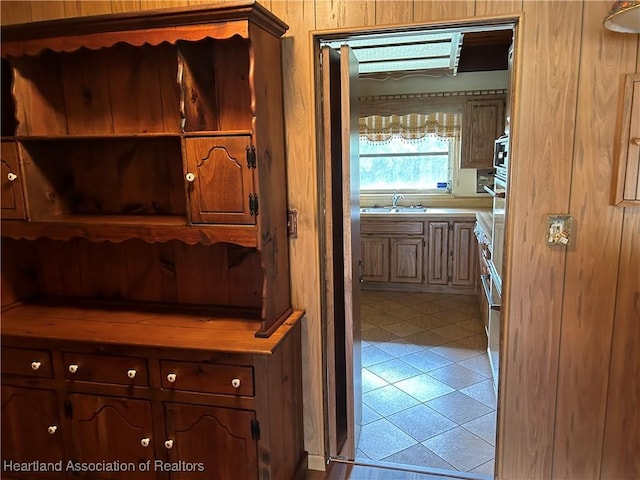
point(447, 423)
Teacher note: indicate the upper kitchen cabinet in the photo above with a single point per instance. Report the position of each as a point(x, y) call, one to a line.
point(153, 128)
point(482, 123)
point(626, 189)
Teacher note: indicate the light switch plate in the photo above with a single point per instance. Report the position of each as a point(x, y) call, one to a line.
point(558, 229)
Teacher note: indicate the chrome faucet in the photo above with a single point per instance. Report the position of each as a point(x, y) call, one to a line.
point(395, 198)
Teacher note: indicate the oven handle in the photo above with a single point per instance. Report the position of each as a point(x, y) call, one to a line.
point(493, 193)
point(487, 292)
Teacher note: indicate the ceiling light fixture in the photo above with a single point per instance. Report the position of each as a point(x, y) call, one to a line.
point(624, 17)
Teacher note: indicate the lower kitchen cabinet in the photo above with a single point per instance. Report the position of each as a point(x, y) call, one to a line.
point(224, 406)
point(433, 254)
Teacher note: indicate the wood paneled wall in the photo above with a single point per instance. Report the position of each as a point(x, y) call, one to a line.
point(570, 390)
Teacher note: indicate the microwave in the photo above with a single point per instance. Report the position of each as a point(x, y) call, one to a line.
point(501, 155)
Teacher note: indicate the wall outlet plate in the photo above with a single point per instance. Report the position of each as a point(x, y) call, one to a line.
point(558, 229)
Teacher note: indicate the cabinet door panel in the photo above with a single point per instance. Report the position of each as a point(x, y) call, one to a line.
point(27, 415)
point(220, 191)
point(438, 252)
point(406, 260)
point(482, 124)
point(11, 181)
point(375, 259)
point(112, 429)
point(463, 270)
point(216, 441)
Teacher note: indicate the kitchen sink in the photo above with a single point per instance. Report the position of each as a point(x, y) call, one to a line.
point(393, 209)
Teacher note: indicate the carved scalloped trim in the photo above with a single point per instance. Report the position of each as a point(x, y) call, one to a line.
point(136, 38)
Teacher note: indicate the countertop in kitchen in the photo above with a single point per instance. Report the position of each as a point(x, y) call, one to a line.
point(485, 220)
point(413, 212)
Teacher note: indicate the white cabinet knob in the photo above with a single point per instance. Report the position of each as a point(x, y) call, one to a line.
point(52, 429)
point(235, 383)
point(131, 373)
point(35, 365)
point(168, 444)
point(145, 442)
point(73, 368)
point(12, 176)
point(171, 377)
point(190, 177)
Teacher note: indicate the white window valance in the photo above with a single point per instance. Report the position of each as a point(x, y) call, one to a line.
point(413, 126)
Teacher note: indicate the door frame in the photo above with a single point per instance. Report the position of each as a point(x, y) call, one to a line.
point(324, 204)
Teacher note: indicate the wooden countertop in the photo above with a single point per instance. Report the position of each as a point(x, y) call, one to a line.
point(430, 212)
point(129, 327)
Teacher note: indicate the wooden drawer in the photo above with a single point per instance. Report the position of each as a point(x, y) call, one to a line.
point(392, 228)
point(207, 378)
point(106, 369)
point(23, 361)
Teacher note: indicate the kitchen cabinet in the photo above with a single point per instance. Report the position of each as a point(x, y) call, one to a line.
point(482, 123)
point(392, 251)
point(451, 257)
point(422, 253)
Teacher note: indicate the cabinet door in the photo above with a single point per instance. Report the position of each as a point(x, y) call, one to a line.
point(481, 125)
point(112, 429)
point(216, 442)
point(220, 181)
point(11, 180)
point(31, 429)
point(438, 253)
point(375, 259)
point(406, 260)
point(464, 260)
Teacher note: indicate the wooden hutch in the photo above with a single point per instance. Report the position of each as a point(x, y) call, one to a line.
point(146, 311)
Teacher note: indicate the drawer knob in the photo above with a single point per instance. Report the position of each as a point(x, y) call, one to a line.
point(131, 373)
point(12, 176)
point(235, 383)
point(145, 442)
point(73, 368)
point(190, 177)
point(52, 429)
point(168, 444)
point(171, 377)
point(35, 365)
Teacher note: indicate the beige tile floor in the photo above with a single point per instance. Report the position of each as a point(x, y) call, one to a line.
point(428, 397)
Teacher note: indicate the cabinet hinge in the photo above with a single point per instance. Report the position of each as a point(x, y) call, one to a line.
point(251, 157)
point(253, 204)
point(255, 429)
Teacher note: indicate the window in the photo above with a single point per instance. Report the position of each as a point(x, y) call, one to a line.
point(413, 166)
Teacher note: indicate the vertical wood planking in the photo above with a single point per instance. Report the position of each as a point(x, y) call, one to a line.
point(540, 175)
point(297, 68)
point(592, 258)
point(15, 12)
point(118, 6)
point(397, 11)
point(46, 10)
point(620, 457)
point(151, 273)
point(484, 8)
point(338, 14)
point(435, 10)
